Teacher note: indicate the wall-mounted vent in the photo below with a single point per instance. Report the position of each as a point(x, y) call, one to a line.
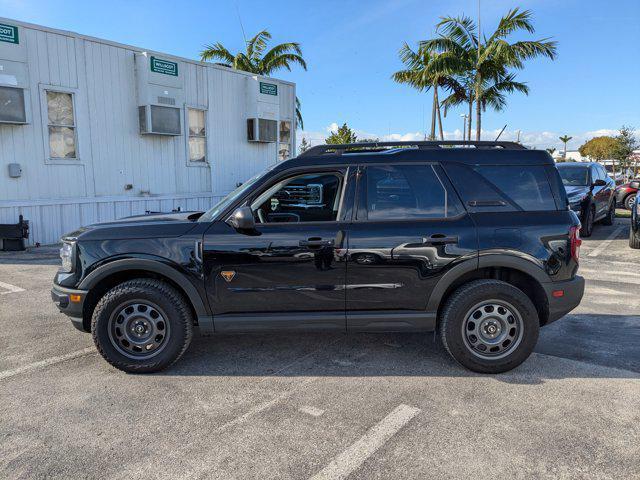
point(262, 130)
point(166, 101)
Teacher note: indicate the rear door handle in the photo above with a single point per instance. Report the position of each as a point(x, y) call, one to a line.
point(316, 243)
point(440, 239)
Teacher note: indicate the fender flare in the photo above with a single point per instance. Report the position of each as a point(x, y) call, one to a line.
point(154, 266)
point(527, 265)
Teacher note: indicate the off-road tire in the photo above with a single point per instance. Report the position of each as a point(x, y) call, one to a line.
point(453, 317)
point(589, 221)
point(178, 316)
point(611, 215)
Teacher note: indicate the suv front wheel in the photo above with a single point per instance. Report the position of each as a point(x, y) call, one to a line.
point(142, 325)
point(489, 326)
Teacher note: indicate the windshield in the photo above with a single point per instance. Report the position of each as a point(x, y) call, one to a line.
point(574, 176)
point(211, 214)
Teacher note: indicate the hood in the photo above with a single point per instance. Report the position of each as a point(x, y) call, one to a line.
point(154, 225)
point(576, 191)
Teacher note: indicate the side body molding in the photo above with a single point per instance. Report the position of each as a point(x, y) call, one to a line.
point(148, 265)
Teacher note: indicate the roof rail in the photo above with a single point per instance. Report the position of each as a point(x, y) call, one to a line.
point(339, 149)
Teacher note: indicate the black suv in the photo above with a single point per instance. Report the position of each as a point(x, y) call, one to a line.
point(477, 243)
point(590, 192)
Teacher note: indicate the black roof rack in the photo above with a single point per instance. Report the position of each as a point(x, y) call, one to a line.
point(339, 149)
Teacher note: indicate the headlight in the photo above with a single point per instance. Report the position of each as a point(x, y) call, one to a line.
point(67, 256)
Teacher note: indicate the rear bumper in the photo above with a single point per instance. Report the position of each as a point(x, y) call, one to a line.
point(573, 290)
point(72, 307)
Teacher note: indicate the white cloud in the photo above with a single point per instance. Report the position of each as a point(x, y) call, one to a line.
point(535, 139)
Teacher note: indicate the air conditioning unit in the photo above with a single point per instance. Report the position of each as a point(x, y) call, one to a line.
point(262, 130)
point(160, 93)
point(159, 120)
point(14, 77)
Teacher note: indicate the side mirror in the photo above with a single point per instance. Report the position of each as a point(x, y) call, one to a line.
point(242, 219)
point(635, 184)
point(599, 183)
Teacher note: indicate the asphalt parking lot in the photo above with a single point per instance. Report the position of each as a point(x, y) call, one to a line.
point(325, 406)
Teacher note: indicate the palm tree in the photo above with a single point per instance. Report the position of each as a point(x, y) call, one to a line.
point(488, 58)
point(256, 60)
point(565, 139)
point(426, 70)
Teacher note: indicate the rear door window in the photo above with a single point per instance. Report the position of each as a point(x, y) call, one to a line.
point(398, 192)
point(524, 186)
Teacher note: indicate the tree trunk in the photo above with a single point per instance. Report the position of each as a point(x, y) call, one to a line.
point(432, 134)
point(470, 114)
point(437, 100)
point(478, 111)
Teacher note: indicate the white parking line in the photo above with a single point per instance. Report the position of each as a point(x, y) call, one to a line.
point(265, 405)
point(10, 288)
point(354, 456)
point(605, 243)
point(313, 411)
point(46, 362)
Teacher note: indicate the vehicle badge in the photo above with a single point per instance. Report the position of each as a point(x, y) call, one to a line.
point(228, 275)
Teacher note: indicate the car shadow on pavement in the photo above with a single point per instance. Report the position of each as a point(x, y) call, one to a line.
point(577, 337)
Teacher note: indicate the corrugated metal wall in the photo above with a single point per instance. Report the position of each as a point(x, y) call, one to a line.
point(60, 195)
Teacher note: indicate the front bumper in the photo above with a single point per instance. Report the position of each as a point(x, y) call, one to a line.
point(573, 290)
point(70, 302)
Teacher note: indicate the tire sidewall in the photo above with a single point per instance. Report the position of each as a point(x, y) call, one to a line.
point(460, 304)
point(629, 201)
point(139, 291)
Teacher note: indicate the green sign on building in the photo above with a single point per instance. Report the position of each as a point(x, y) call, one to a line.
point(164, 66)
point(9, 33)
point(268, 88)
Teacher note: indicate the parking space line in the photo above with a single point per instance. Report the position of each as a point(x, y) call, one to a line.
point(265, 405)
point(10, 288)
point(313, 411)
point(46, 363)
point(606, 242)
point(354, 456)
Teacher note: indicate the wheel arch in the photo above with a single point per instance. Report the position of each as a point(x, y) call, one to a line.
point(105, 277)
point(517, 271)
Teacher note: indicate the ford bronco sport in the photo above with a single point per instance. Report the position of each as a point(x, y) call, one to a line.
point(475, 242)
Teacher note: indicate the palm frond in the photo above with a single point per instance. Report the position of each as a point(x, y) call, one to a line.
point(257, 44)
point(513, 21)
point(216, 51)
point(299, 114)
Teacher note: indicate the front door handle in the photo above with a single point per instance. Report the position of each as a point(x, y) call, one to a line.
point(315, 242)
point(440, 239)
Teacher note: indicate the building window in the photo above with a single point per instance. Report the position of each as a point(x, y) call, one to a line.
point(61, 124)
point(284, 147)
point(197, 135)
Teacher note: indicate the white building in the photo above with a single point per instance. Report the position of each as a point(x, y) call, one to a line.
point(92, 130)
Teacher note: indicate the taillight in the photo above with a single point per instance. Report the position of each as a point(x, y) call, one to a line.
point(575, 241)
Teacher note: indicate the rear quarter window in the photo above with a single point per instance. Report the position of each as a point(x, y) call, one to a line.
point(525, 186)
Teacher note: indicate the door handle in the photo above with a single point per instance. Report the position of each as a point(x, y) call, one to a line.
point(316, 243)
point(440, 239)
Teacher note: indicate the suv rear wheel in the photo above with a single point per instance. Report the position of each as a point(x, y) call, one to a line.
point(142, 326)
point(489, 326)
point(629, 201)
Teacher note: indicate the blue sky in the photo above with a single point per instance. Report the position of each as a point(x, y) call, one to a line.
point(351, 48)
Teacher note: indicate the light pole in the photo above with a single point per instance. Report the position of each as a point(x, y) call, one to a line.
point(464, 128)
